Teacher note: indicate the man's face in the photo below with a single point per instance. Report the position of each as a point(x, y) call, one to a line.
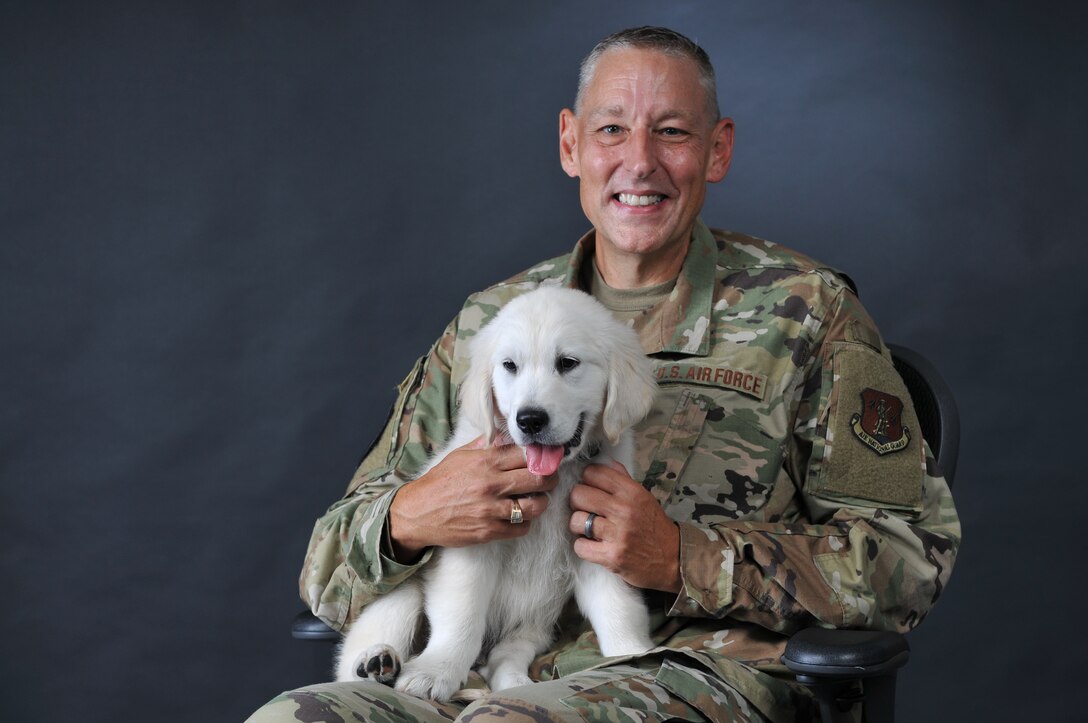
point(644, 146)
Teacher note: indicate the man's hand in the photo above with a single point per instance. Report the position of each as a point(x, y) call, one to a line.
point(633, 537)
point(466, 499)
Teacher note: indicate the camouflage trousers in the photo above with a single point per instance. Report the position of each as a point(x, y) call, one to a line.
point(637, 692)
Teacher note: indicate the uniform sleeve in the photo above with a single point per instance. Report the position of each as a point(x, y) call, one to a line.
point(875, 531)
point(349, 561)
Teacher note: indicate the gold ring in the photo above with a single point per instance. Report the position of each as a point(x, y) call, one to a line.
point(516, 518)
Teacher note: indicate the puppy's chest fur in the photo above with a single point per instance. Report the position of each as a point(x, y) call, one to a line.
point(535, 573)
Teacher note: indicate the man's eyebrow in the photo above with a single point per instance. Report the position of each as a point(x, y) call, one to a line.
point(611, 111)
point(616, 111)
point(684, 115)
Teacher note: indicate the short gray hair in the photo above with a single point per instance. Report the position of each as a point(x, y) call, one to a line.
point(662, 40)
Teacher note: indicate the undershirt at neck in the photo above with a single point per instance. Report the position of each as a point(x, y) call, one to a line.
point(628, 304)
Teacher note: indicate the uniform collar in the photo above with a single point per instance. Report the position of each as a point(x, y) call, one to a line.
point(681, 323)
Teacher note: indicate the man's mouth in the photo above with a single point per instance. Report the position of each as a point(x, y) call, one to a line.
point(633, 199)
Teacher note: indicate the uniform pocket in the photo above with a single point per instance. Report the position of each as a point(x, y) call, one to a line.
point(676, 436)
point(706, 692)
point(713, 463)
point(637, 697)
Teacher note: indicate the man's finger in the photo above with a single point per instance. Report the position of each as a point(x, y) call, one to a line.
point(531, 507)
point(523, 482)
point(594, 551)
point(509, 457)
point(611, 478)
point(577, 525)
point(588, 499)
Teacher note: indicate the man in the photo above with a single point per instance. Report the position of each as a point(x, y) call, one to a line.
point(781, 481)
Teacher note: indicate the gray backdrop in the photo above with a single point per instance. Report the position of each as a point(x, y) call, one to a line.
point(227, 229)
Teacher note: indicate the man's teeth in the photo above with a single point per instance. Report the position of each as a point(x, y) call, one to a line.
point(630, 199)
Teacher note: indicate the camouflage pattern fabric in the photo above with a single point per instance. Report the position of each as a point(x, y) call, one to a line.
point(782, 442)
point(671, 690)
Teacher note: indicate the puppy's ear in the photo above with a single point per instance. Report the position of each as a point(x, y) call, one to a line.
point(631, 387)
point(476, 402)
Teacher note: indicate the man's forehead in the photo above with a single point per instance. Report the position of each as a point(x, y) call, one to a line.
point(628, 80)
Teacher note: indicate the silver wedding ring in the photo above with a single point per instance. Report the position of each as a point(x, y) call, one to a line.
point(587, 531)
point(516, 518)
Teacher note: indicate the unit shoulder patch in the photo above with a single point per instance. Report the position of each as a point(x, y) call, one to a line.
point(867, 453)
point(879, 425)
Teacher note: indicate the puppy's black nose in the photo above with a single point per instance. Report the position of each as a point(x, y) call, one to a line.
point(531, 420)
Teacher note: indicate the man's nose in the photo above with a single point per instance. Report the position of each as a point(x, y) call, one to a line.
point(641, 157)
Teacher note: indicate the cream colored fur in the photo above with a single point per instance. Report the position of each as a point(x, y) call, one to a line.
point(504, 598)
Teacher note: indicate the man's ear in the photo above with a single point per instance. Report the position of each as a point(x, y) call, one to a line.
point(568, 142)
point(721, 150)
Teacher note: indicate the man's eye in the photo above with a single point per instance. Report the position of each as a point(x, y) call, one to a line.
point(673, 132)
point(611, 130)
point(510, 366)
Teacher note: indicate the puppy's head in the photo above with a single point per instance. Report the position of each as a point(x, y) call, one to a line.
point(555, 370)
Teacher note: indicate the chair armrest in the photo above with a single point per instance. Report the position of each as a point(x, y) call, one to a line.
point(307, 626)
point(845, 653)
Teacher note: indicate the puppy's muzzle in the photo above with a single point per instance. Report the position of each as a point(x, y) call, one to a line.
point(532, 420)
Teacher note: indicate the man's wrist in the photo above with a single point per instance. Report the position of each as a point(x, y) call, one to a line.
point(676, 582)
point(400, 547)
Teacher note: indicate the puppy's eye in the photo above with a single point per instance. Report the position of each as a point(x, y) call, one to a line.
point(510, 366)
point(565, 363)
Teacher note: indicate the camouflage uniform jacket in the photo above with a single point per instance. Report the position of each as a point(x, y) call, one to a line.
point(782, 441)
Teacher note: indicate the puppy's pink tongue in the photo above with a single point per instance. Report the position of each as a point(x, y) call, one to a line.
point(543, 460)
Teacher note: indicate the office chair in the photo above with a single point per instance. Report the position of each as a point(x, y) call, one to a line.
point(843, 668)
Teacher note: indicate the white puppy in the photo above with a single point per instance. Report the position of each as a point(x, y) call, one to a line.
point(562, 378)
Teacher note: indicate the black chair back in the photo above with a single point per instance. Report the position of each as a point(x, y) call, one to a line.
point(937, 411)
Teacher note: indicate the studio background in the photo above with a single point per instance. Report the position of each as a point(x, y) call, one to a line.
point(228, 228)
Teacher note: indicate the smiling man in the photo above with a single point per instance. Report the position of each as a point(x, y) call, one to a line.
point(780, 481)
point(644, 141)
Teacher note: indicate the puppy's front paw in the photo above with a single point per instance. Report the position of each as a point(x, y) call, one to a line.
point(504, 679)
point(379, 663)
point(430, 679)
point(632, 645)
